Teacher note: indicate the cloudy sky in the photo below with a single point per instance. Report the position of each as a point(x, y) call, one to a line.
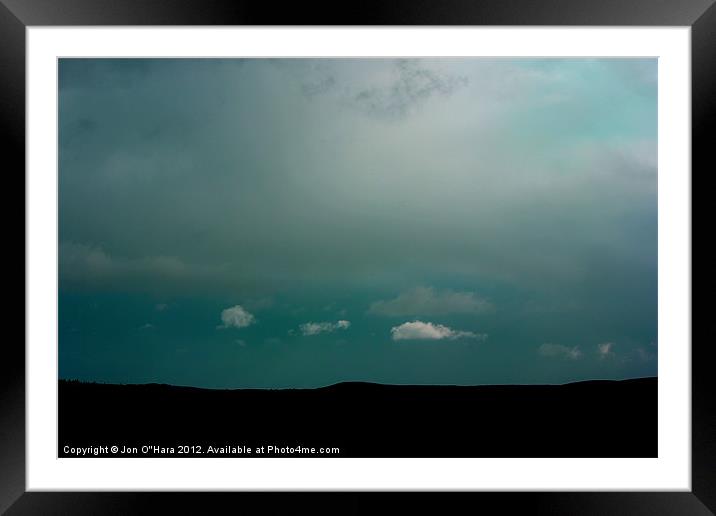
point(300, 222)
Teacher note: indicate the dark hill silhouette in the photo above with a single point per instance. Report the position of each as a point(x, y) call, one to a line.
point(584, 419)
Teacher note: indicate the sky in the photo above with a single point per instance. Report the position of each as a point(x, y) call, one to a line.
point(275, 223)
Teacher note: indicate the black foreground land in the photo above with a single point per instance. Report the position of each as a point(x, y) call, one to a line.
point(584, 419)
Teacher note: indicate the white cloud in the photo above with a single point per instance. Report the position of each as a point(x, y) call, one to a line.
point(146, 326)
point(428, 301)
point(419, 330)
point(160, 307)
point(605, 349)
point(557, 350)
point(236, 317)
point(316, 328)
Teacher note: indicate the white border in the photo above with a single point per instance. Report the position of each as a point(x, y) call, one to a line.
point(671, 471)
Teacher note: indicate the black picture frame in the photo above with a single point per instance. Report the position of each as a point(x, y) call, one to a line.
point(17, 15)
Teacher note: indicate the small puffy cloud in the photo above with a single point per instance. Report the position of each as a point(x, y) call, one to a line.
point(605, 349)
point(160, 307)
point(557, 350)
point(644, 355)
point(428, 301)
point(236, 317)
point(419, 330)
point(316, 328)
point(146, 326)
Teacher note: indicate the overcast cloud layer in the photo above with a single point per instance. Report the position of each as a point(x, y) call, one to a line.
point(272, 201)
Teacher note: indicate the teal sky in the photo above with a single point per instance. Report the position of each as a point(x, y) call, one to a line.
point(300, 222)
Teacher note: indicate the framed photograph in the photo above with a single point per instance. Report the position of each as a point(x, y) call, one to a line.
point(436, 249)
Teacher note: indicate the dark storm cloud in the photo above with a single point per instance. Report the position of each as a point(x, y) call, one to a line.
point(411, 85)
